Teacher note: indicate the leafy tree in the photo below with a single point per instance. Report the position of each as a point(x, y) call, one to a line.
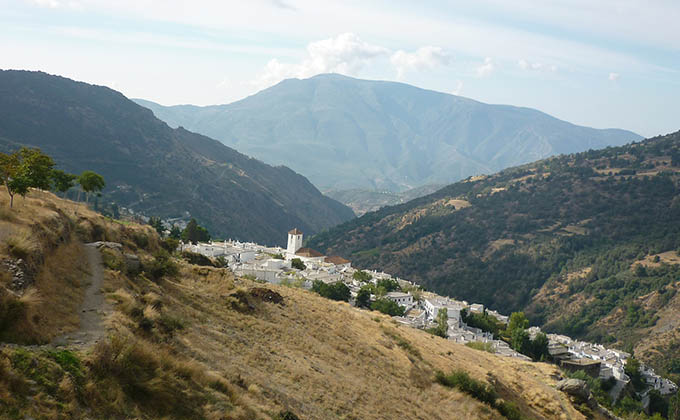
point(519, 340)
point(539, 347)
point(674, 407)
point(156, 223)
point(517, 321)
point(362, 276)
point(388, 307)
point(632, 369)
point(388, 284)
point(90, 182)
point(63, 181)
point(336, 291)
point(363, 298)
point(442, 327)
point(297, 263)
point(175, 232)
point(37, 167)
point(24, 169)
point(195, 233)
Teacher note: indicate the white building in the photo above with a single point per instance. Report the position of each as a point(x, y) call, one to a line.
point(402, 299)
point(294, 243)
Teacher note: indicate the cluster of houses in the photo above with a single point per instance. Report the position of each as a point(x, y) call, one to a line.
point(279, 266)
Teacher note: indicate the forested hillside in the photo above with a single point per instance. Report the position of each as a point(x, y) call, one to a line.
point(587, 243)
point(154, 169)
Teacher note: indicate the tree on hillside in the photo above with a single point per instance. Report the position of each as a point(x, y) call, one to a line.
point(388, 307)
point(363, 298)
point(336, 291)
point(90, 182)
point(297, 263)
point(175, 232)
point(24, 169)
point(362, 276)
point(156, 223)
point(38, 168)
point(195, 233)
point(63, 181)
point(442, 327)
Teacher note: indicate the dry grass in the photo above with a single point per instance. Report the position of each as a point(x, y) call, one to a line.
point(179, 348)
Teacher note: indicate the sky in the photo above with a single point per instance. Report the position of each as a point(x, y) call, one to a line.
point(604, 63)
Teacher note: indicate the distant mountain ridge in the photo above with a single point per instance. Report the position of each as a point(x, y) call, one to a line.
point(346, 133)
point(152, 168)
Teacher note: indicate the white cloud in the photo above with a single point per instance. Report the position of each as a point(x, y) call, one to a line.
point(427, 57)
point(459, 88)
point(614, 76)
point(487, 68)
point(536, 66)
point(345, 54)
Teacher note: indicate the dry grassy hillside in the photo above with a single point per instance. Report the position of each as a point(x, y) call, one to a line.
point(185, 341)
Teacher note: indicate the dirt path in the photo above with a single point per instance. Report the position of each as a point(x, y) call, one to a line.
point(93, 308)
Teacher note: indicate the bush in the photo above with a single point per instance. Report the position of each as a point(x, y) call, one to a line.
point(388, 307)
point(485, 393)
point(197, 259)
point(141, 240)
point(297, 263)
point(170, 244)
point(461, 380)
point(21, 245)
point(337, 291)
point(11, 310)
point(162, 265)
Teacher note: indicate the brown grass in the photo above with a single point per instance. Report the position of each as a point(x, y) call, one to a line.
point(179, 348)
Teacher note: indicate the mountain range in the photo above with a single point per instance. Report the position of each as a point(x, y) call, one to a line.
point(154, 169)
point(586, 244)
point(346, 133)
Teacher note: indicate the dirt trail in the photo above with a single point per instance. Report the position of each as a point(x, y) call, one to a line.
point(93, 308)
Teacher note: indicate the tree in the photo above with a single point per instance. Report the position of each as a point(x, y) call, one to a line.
point(363, 298)
point(175, 232)
point(156, 223)
point(24, 169)
point(389, 285)
point(297, 263)
point(194, 233)
point(519, 340)
point(11, 172)
point(674, 407)
point(539, 347)
point(517, 321)
point(362, 276)
point(632, 369)
point(63, 181)
point(37, 167)
point(388, 307)
point(442, 327)
point(90, 182)
point(336, 291)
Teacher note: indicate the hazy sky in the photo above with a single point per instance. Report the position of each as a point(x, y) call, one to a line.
point(602, 63)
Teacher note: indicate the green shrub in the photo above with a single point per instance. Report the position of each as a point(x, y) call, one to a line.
point(197, 259)
point(336, 291)
point(161, 266)
point(297, 263)
point(461, 380)
point(388, 307)
point(141, 240)
point(11, 310)
point(170, 244)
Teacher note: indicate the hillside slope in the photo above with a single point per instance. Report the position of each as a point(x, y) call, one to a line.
point(194, 342)
point(561, 238)
point(152, 168)
point(345, 133)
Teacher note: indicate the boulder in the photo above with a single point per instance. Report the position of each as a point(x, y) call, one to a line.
point(132, 263)
point(575, 387)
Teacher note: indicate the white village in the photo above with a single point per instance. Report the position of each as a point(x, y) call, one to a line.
point(300, 267)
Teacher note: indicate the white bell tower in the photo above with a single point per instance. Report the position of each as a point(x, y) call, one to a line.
point(294, 242)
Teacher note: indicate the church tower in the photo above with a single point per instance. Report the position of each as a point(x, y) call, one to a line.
point(294, 242)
